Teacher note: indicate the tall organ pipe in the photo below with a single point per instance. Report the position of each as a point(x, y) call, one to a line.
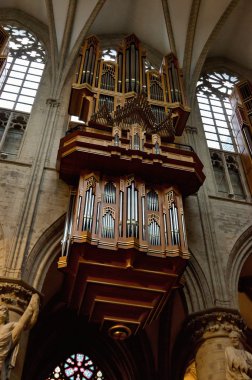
point(97, 217)
point(183, 228)
point(68, 226)
point(121, 215)
point(78, 211)
point(89, 63)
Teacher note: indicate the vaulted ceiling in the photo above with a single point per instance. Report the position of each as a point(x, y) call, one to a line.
point(192, 29)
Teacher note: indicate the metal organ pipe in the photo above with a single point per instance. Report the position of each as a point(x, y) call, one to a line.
point(97, 217)
point(172, 226)
point(120, 69)
point(92, 68)
point(165, 229)
point(108, 226)
point(121, 214)
point(176, 224)
point(183, 228)
point(85, 66)
point(85, 211)
point(89, 63)
point(127, 67)
point(143, 218)
point(132, 202)
point(97, 73)
point(88, 210)
point(132, 68)
point(68, 226)
point(78, 211)
point(143, 74)
point(91, 212)
point(128, 211)
point(137, 71)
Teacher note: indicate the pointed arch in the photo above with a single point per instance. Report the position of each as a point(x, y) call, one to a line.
point(242, 249)
point(197, 292)
point(47, 248)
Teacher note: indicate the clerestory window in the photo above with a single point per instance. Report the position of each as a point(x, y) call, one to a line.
point(24, 69)
point(213, 91)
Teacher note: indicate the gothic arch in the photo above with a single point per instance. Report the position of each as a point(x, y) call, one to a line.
point(197, 293)
point(239, 254)
point(45, 251)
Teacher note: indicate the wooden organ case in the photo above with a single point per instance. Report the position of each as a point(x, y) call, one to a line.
point(124, 246)
point(4, 48)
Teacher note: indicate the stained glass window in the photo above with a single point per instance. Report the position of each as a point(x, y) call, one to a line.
point(213, 92)
point(77, 367)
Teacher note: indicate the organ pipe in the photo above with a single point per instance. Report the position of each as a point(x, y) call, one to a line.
point(97, 217)
point(78, 211)
point(121, 215)
point(68, 226)
point(165, 229)
point(183, 228)
point(132, 211)
point(88, 210)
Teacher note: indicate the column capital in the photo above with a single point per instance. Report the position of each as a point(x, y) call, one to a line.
point(213, 323)
point(15, 294)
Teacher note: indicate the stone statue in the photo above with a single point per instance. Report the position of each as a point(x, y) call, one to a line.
point(10, 332)
point(238, 361)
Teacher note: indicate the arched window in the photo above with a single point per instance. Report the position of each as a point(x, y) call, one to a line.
point(24, 68)
point(213, 98)
point(77, 367)
point(213, 93)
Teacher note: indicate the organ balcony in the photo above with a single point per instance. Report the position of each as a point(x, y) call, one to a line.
point(124, 246)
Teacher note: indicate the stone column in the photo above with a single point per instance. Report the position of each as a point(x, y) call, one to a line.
point(210, 335)
point(15, 302)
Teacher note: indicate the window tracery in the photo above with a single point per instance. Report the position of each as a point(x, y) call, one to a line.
point(77, 367)
point(213, 93)
point(24, 69)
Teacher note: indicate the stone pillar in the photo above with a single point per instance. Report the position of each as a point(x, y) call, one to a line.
point(15, 297)
point(210, 335)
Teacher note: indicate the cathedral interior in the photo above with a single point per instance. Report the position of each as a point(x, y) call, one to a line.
point(126, 188)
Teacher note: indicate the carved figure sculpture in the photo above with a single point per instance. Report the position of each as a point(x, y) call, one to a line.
point(10, 332)
point(238, 360)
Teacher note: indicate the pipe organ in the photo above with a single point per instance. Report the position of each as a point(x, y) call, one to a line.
point(128, 212)
point(113, 83)
point(124, 246)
